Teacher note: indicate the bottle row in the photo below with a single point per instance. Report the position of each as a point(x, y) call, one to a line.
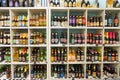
point(59, 3)
point(20, 37)
point(84, 3)
point(74, 71)
point(75, 19)
point(59, 54)
point(78, 18)
point(23, 3)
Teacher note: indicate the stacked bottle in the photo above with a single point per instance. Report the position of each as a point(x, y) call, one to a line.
point(73, 3)
point(93, 55)
point(110, 55)
point(110, 70)
point(77, 38)
point(95, 21)
point(20, 20)
point(93, 38)
point(59, 21)
point(111, 21)
point(37, 20)
point(58, 71)
point(111, 37)
point(59, 38)
point(76, 71)
point(4, 20)
point(37, 38)
point(77, 55)
point(17, 3)
point(5, 37)
point(58, 55)
point(20, 55)
point(38, 72)
point(77, 21)
point(5, 70)
point(20, 38)
point(21, 71)
point(38, 55)
point(93, 71)
point(5, 55)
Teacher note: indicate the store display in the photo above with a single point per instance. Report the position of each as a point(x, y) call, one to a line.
point(20, 38)
point(111, 37)
point(58, 55)
point(76, 71)
point(110, 70)
point(38, 55)
point(76, 56)
point(58, 38)
point(59, 21)
point(93, 38)
point(37, 38)
point(38, 19)
point(5, 70)
point(93, 71)
point(21, 71)
point(20, 21)
point(110, 55)
point(110, 20)
point(73, 3)
point(58, 71)
point(38, 72)
point(5, 55)
point(4, 38)
point(77, 21)
point(77, 38)
point(95, 21)
point(17, 3)
point(4, 20)
point(93, 55)
point(20, 55)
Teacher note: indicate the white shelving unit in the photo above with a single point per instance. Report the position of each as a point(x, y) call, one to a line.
point(48, 28)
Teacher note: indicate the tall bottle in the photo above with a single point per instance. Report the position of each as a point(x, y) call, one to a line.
point(116, 21)
point(25, 3)
point(83, 4)
point(88, 4)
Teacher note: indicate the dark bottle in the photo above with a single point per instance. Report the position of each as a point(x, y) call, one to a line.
point(11, 3)
point(83, 4)
point(88, 4)
point(56, 38)
point(116, 4)
point(32, 3)
point(25, 3)
point(52, 38)
point(116, 21)
point(106, 19)
point(0, 3)
point(16, 3)
point(70, 21)
point(4, 3)
point(73, 21)
point(58, 3)
point(1, 55)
